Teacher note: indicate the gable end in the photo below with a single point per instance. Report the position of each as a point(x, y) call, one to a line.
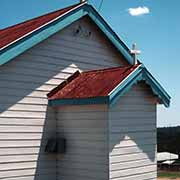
point(37, 36)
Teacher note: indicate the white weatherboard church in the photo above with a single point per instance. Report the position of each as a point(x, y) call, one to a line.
point(75, 104)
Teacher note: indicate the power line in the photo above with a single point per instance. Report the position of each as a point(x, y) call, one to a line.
point(100, 6)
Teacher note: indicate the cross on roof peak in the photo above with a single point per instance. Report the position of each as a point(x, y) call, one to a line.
point(134, 51)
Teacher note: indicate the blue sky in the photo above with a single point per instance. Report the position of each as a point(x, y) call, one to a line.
point(156, 33)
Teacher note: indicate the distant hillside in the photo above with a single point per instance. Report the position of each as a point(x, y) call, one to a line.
point(168, 139)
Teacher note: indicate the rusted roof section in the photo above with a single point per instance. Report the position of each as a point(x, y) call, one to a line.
point(96, 83)
point(11, 34)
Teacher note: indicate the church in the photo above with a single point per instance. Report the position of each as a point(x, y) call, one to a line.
point(75, 102)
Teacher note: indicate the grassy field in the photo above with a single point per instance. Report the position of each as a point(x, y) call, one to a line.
point(169, 175)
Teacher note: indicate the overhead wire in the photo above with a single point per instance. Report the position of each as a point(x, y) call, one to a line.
point(100, 6)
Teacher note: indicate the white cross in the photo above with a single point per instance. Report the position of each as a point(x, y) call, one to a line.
point(135, 52)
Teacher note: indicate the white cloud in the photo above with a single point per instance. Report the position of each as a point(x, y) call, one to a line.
point(138, 11)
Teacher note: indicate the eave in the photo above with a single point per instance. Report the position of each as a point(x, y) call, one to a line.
point(19, 46)
point(139, 74)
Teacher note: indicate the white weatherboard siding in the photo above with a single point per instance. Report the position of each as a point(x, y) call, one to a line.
point(86, 131)
point(25, 121)
point(132, 136)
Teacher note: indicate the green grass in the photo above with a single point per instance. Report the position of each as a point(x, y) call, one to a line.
point(170, 175)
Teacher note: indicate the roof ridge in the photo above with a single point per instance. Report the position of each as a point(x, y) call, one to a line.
point(63, 84)
point(110, 69)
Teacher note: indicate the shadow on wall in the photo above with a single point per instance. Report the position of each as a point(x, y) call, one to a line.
point(133, 131)
point(26, 120)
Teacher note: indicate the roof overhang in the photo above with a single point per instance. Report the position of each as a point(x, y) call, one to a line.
point(139, 74)
point(31, 39)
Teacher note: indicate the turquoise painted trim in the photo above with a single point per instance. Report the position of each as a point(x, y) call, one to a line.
point(84, 101)
point(156, 82)
point(124, 86)
point(36, 37)
point(138, 75)
point(157, 88)
point(107, 30)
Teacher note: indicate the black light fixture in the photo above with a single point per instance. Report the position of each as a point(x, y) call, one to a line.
point(56, 145)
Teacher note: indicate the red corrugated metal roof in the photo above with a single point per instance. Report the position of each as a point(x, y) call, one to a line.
point(97, 83)
point(10, 34)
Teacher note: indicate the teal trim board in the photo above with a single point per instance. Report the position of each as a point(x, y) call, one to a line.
point(38, 36)
point(107, 30)
point(43, 33)
point(82, 101)
point(139, 74)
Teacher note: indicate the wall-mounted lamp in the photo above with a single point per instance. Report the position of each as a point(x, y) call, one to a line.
point(56, 146)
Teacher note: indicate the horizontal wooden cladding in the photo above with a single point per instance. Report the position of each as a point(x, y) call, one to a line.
point(37, 109)
point(84, 159)
point(27, 128)
point(32, 177)
point(132, 142)
point(144, 176)
point(69, 177)
point(82, 115)
point(83, 124)
point(26, 158)
point(31, 79)
point(135, 122)
point(66, 44)
point(21, 143)
point(133, 157)
point(43, 75)
point(68, 36)
point(70, 40)
point(132, 114)
point(18, 91)
point(82, 109)
point(67, 60)
point(23, 100)
point(26, 172)
point(80, 41)
point(86, 173)
point(83, 130)
point(87, 153)
point(26, 85)
point(72, 62)
point(20, 150)
point(51, 69)
point(21, 136)
point(132, 135)
point(25, 121)
point(126, 129)
point(84, 136)
point(25, 113)
point(134, 171)
point(24, 130)
point(75, 166)
point(27, 165)
point(25, 107)
point(53, 51)
point(132, 149)
point(88, 49)
point(131, 164)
